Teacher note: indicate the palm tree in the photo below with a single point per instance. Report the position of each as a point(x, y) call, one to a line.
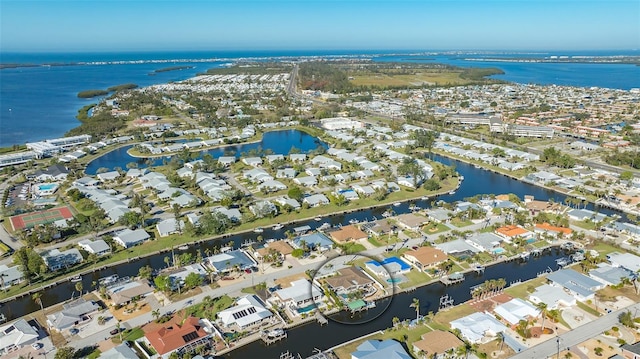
point(542, 307)
point(156, 314)
point(416, 304)
point(118, 327)
point(500, 339)
point(79, 287)
point(37, 297)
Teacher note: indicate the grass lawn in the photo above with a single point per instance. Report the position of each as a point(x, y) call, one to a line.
point(353, 248)
point(199, 310)
point(132, 334)
point(415, 278)
point(460, 223)
point(586, 225)
point(445, 317)
point(588, 309)
point(605, 248)
point(522, 290)
point(435, 228)
point(94, 354)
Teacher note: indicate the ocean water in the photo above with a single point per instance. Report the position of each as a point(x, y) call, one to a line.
point(41, 102)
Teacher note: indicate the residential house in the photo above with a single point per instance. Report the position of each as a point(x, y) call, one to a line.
point(248, 311)
point(10, 276)
point(124, 292)
point(180, 336)
point(425, 258)
point(553, 297)
point(252, 161)
point(128, 238)
point(282, 248)
point(347, 234)
point(169, 226)
point(300, 294)
point(16, 335)
point(411, 221)
point(315, 241)
point(98, 247)
point(108, 176)
point(388, 268)
point(71, 314)
point(286, 201)
point(348, 280)
point(380, 349)
point(263, 208)
point(316, 200)
point(56, 260)
point(122, 351)
point(631, 351)
point(516, 310)
point(609, 275)
point(228, 261)
point(553, 231)
point(579, 285)
point(511, 233)
point(437, 344)
point(308, 181)
point(478, 327)
point(628, 261)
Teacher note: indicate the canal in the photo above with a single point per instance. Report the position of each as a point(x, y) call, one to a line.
point(305, 339)
point(477, 181)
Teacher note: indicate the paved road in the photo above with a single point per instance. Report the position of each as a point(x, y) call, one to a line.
point(574, 337)
point(235, 289)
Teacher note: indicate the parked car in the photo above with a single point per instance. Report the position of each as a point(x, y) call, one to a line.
point(115, 331)
point(74, 331)
point(37, 346)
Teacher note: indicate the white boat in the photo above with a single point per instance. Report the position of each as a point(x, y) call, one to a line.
point(477, 166)
point(397, 204)
point(452, 192)
point(183, 248)
point(274, 333)
point(108, 280)
point(353, 221)
point(386, 214)
point(277, 227)
point(76, 278)
point(318, 219)
point(324, 226)
point(258, 230)
point(461, 178)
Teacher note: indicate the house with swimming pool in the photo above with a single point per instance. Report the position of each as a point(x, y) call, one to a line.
point(425, 258)
point(300, 297)
point(388, 268)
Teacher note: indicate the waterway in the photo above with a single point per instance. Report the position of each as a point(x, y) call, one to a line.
point(327, 336)
point(278, 142)
point(477, 181)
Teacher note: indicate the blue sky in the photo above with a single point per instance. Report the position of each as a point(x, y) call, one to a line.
point(117, 25)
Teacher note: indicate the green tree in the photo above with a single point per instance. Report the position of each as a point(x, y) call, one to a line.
point(193, 280)
point(162, 282)
point(415, 303)
point(145, 272)
point(295, 193)
point(65, 353)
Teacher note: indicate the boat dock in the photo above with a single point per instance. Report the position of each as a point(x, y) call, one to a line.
point(452, 279)
point(321, 319)
point(268, 339)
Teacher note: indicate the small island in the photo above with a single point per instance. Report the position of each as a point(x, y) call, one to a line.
point(92, 93)
point(172, 68)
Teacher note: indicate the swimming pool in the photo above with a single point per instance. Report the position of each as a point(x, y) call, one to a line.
point(47, 186)
point(531, 240)
point(498, 250)
point(394, 280)
point(306, 309)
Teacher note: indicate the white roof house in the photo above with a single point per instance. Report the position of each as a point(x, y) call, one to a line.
point(10, 275)
point(129, 238)
point(516, 310)
point(169, 226)
point(97, 247)
point(16, 335)
point(300, 293)
point(57, 260)
point(248, 311)
point(478, 327)
point(122, 351)
point(554, 297)
point(628, 261)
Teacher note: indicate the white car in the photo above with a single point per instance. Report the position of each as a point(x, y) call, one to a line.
point(36, 346)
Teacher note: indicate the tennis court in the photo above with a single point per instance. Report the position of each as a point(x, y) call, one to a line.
point(29, 220)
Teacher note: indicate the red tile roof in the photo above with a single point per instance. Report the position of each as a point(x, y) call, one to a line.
point(173, 336)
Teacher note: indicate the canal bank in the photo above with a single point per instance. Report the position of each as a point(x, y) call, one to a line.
point(477, 181)
point(337, 331)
